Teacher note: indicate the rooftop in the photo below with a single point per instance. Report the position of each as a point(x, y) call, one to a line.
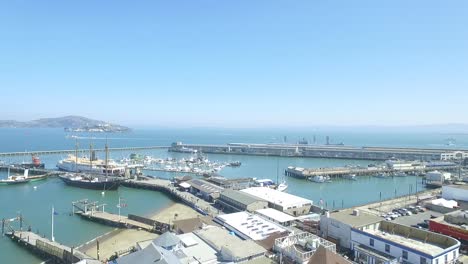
point(276, 215)
point(348, 217)
point(283, 199)
point(196, 249)
point(220, 239)
point(191, 224)
point(241, 197)
point(424, 241)
point(458, 186)
point(205, 186)
point(249, 225)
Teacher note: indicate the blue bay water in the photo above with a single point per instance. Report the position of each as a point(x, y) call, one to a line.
point(35, 204)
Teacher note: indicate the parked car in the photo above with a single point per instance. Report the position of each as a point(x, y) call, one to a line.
point(420, 208)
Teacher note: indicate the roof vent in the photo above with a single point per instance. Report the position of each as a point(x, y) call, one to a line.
point(356, 212)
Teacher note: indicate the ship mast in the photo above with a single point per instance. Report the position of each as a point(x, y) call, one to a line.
point(90, 157)
point(107, 156)
point(76, 155)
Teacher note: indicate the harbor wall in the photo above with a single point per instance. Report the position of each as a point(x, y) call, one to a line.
point(315, 151)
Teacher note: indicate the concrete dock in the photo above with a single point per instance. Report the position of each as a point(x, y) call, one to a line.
point(304, 173)
point(46, 248)
point(317, 151)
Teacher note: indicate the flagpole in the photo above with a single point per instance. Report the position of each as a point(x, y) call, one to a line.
point(119, 208)
point(53, 212)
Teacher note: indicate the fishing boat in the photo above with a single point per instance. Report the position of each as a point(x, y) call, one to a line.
point(400, 174)
point(15, 179)
point(90, 181)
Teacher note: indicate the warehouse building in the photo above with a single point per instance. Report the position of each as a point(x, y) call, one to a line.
point(204, 189)
point(248, 226)
point(281, 201)
point(235, 201)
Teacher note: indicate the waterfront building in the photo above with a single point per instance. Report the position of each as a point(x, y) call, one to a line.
point(281, 201)
point(191, 224)
point(151, 254)
point(230, 248)
point(204, 189)
point(299, 248)
point(276, 216)
point(248, 226)
point(455, 192)
point(388, 242)
point(235, 184)
point(337, 226)
point(455, 155)
point(403, 165)
point(240, 201)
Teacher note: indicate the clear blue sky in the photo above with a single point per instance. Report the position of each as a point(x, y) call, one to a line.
point(236, 63)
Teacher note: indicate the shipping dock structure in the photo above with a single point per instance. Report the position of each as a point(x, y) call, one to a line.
point(321, 151)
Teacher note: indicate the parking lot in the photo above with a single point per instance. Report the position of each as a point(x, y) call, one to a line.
point(414, 219)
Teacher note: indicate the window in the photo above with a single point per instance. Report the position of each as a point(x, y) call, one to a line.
point(405, 254)
point(371, 242)
point(387, 248)
point(422, 261)
point(437, 261)
point(454, 254)
point(446, 258)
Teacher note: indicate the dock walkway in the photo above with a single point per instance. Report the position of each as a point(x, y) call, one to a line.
point(166, 186)
point(72, 151)
point(44, 247)
point(115, 220)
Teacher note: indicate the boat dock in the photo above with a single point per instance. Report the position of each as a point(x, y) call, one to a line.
point(46, 248)
point(90, 211)
point(73, 151)
point(166, 186)
point(305, 173)
point(317, 151)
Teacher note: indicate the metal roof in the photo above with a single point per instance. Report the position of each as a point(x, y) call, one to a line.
point(205, 186)
point(241, 197)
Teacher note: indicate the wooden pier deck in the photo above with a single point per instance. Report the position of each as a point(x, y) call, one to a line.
point(115, 220)
point(49, 249)
point(72, 151)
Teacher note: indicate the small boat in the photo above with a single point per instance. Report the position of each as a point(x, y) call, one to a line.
point(263, 182)
point(37, 177)
point(350, 177)
point(382, 175)
point(318, 179)
point(90, 181)
point(282, 187)
point(235, 164)
point(400, 174)
point(15, 179)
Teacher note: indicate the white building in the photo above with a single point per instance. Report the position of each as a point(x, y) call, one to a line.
point(456, 155)
point(404, 165)
point(438, 176)
point(248, 226)
point(455, 192)
point(337, 226)
point(276, 216)
point(389, 242)
point(299, 248)
point(281, 201)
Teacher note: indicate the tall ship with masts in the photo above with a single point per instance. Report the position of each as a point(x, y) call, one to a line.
point(91, 173)
point(91, 164)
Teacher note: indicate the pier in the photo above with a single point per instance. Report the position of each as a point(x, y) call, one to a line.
point(166, 186)
point(304, 173)
point(91, 211)
point(73, 151)
point(317, 151)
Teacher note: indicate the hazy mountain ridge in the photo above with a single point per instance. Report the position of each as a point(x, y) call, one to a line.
point(60, 122)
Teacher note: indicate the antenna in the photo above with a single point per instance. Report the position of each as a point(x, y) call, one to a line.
point(107, 155)
point(76, 154)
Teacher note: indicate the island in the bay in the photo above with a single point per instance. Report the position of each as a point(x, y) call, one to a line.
point(68, 123)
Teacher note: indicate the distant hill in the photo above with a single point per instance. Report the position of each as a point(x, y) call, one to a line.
point(68, 122)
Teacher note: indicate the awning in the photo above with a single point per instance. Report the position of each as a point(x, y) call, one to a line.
point(184, 185)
